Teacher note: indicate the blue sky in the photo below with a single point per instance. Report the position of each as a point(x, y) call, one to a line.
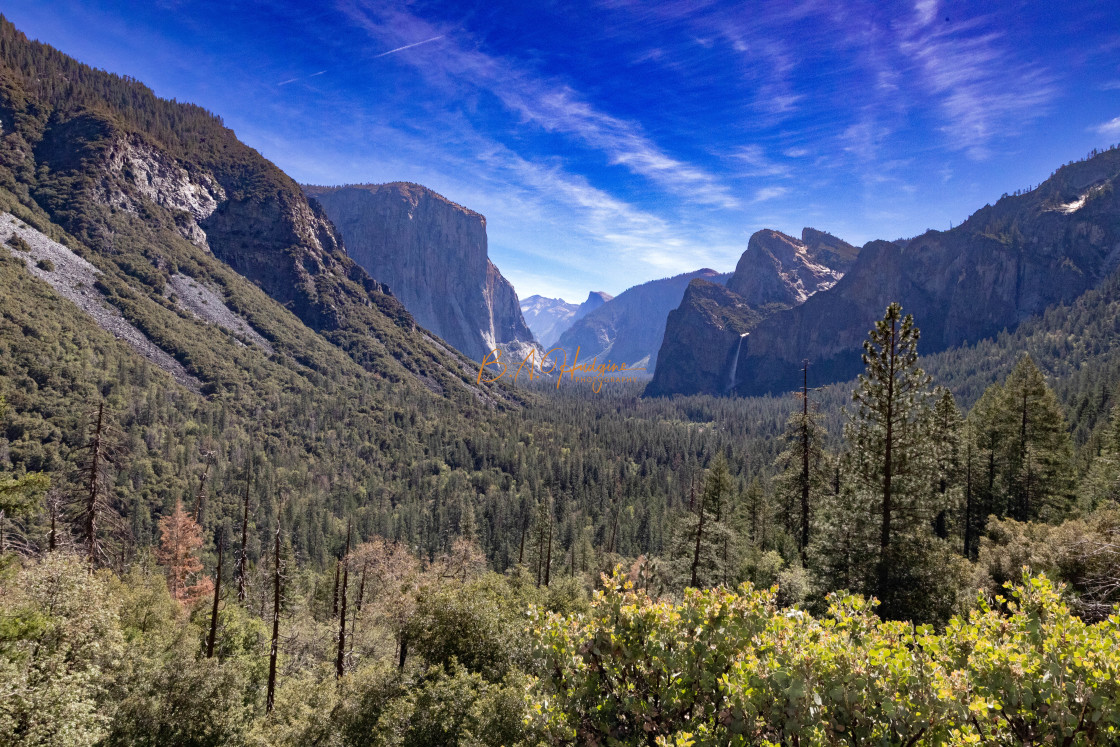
point(613, 142)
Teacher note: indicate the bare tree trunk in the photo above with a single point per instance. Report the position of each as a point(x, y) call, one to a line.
point(548, 562)
point(242, 559)
point(696, 553)
point(340, 660)
point(270, 698)
point(337, 576)
point(521, 550)
point(52, 538)
point(403, 651)
point(968, 499)
point(804, 462)
point(202, 490)
point(94, 487)
point(214, 609)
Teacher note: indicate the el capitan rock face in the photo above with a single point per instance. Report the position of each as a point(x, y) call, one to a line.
point(703, 336)
point(431, 253)
point(1007, 262)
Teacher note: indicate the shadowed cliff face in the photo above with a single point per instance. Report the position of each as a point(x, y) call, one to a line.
point(629, 328)
point(1007, 262)
point(705, 334)
point(432, 255)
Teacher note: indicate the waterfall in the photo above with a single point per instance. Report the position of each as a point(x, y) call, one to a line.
point(735, 363)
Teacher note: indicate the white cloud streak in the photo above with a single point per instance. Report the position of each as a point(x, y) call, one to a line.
point(1111, 128)
point(407, 46)
point(305, 77)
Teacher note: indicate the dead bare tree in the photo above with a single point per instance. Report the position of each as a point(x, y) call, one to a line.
point(92, 508)
point(217, 596)
point(208, 456)
point(242, 559)
point(340, 660)
point(274, 650)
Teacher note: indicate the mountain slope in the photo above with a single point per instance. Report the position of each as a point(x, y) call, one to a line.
point(703, 336)
point(432, 254)
point(1006, 263)
point(629, 328)
point(549, 318)
point(147, 190)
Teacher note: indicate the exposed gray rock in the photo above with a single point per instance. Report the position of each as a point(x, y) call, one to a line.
point(161, 180)
point(73, 278)
point(432, 254)
point(207, 304)
point(777, 268)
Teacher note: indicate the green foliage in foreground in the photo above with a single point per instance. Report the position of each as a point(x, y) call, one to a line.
point(97, 659)
point(732, 668)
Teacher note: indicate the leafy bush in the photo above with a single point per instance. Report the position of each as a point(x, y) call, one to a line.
point(18, 243)
point(723, 668)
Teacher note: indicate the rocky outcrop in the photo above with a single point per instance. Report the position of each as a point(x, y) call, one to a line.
point(432, 253)
point(777, 268)
point(704, 335)
point(702, 339)
point(159, 179)
point(629, 328)
point(1007, 262)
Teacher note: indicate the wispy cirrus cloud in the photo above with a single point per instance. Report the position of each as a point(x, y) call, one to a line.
point(982, 90)
point(552, 105)
point(1111, 128)
point(305, 77)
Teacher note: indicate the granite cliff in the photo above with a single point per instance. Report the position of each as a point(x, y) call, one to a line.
point(432, 253)
point(1006, 263)
point(703, 336)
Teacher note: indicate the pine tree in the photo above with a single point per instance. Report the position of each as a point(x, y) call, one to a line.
point(945, 441)
point(886, 436)
point(705, 551)
point(801, 465)
point(985, 491)
point(1038, 447)
point(1101, 484)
